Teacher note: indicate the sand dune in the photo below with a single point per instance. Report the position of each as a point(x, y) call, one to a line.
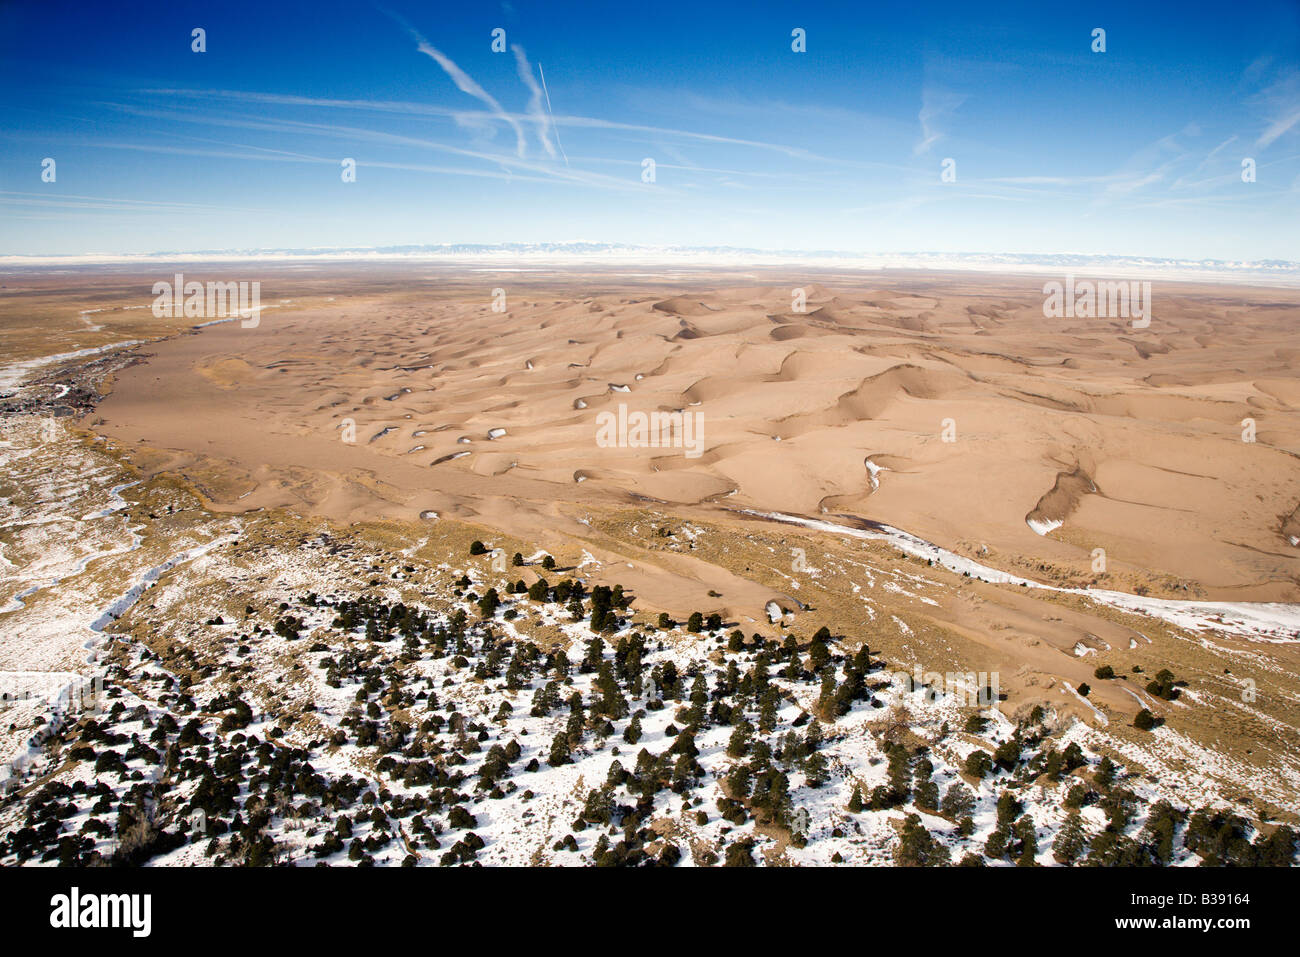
point(1040, 439)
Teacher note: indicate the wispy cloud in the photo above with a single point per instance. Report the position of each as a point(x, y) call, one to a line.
point(464, 82)
point(937, 104)
point(1275, 96)
point(470, 116)
point(331, 130)
point(77, 201)
point(1280, 125)
point(540, 117)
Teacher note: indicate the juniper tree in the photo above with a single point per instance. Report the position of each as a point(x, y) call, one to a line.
point(738, 744)
point(740, 854)
point(958, 802)
point(819, 655)
point(927, 796)
point(1007, 754)
point(577, 720)
point(900, 771)
point(996, 845)
point(611, 703)
point(1158, 831)
point(1164, 685)
point(1105, 773)
point(815, 771)
point(632, 734)
point(1027, 834)
point(594, 656)
point(559, 751)
point(916, 848)
point(767, 711)
point(1008, 808)
point(1144, 720)
point(699, 701)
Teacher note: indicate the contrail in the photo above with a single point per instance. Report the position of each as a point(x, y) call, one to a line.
point(535, 110)
point(552, 115)
point(463, 80)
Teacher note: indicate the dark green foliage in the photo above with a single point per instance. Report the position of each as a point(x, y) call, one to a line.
point(917, 848)
point(1164, 685)
point(1070, 841)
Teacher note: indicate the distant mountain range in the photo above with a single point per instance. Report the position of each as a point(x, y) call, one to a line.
point(591, 253)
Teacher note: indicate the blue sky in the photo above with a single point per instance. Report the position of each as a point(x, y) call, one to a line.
point(1057, 149)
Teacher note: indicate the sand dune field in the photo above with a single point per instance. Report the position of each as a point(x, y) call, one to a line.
point(946, 406)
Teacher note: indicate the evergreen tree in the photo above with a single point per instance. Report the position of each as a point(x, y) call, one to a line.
point(632, 734)
point(1070, 841)
point(1144, 720)
point(958, 802)
point(738, 744)
point(916, 848)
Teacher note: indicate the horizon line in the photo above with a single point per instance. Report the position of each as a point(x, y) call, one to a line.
point(575, 253)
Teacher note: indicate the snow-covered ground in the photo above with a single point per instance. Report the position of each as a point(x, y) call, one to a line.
point(1260, 621)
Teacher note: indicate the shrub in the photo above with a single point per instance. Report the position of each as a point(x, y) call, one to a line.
point(1144, 721)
